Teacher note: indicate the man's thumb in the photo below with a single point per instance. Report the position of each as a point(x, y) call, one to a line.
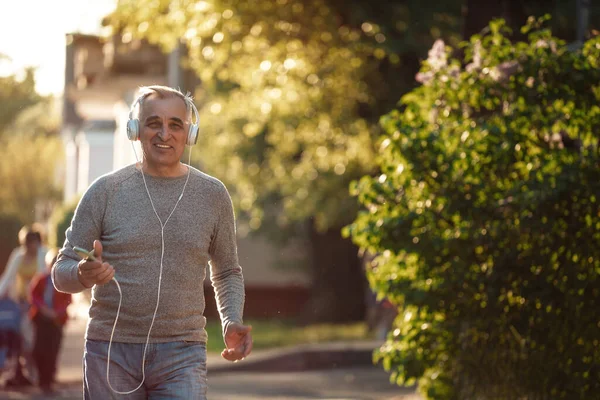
point(98, 250)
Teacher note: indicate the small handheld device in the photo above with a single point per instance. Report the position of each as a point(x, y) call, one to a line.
point(83, 253)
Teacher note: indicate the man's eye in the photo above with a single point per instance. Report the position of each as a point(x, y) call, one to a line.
point(154, 125)
point(175, 126)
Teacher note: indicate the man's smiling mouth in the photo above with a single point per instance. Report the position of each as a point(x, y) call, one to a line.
point(162, 146)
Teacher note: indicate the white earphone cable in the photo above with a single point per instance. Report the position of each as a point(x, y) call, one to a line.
point(162, 254)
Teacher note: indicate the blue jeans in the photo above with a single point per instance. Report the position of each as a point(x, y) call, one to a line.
point(174, 370)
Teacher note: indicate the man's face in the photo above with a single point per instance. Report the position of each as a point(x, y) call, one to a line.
point(163, 133)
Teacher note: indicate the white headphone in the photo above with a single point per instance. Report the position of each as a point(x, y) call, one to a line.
point(133, 124)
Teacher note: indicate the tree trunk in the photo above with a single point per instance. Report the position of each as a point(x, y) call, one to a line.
point(338, 280)
point(479, 13)
point(583, 19)
point(8, 237)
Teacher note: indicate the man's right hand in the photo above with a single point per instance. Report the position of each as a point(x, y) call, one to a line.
point(92, 273)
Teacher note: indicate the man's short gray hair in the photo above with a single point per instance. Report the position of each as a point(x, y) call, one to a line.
point(165, 92)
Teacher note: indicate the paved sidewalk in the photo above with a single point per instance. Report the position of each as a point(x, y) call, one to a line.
point(359, 383)
point(290, 359)
point(354, 383)
point(341, 371)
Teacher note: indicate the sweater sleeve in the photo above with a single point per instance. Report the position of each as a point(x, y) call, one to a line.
point(86, 226)
point(225, 272)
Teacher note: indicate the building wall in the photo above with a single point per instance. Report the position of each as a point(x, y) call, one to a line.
point(123, 153)
point(95, 149)
point(71, 165)
point(268, 265)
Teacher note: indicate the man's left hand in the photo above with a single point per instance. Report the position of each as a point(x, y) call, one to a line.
point(238, 340)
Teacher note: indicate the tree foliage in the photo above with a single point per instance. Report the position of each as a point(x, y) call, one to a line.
point(28, 174)
point(18, 93)
point(291, 91)
point(30, 150)
point(485, 221)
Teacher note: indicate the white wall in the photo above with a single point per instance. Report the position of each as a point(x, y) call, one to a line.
point(70, 170)
point(95, 156)
point(123, 151)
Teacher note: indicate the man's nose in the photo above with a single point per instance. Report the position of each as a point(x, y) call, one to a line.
point(164, 134)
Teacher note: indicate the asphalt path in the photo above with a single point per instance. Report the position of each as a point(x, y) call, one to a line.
point(361, 383)
point(349, 383)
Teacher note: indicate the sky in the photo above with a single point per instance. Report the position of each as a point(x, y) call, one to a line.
point(32, 33)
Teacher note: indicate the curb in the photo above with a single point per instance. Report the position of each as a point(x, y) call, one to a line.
point(302, 358)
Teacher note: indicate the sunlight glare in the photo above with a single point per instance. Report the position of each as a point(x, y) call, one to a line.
point(41, 41)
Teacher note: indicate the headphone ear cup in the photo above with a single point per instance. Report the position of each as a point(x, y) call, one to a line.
point(192, 135)
point(133, 129)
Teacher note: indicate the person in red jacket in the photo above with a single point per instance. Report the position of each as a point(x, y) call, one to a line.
point(49, 315)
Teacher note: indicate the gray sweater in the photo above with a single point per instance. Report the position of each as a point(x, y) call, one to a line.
point(116, 210)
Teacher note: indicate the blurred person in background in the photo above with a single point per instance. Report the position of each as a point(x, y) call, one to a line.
point(23, 264)
point(48, 312)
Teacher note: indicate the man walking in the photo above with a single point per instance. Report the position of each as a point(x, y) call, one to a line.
point(154, 226)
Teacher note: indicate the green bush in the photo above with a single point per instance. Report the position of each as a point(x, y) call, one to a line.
point(485, 221)
point(60, 220)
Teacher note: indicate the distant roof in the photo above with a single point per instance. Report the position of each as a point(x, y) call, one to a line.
point(82, 37)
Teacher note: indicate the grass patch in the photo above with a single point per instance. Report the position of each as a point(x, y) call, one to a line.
point(269, 334)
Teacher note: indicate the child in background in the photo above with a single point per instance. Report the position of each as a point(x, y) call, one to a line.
point(49, 315)
point(24, 262)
